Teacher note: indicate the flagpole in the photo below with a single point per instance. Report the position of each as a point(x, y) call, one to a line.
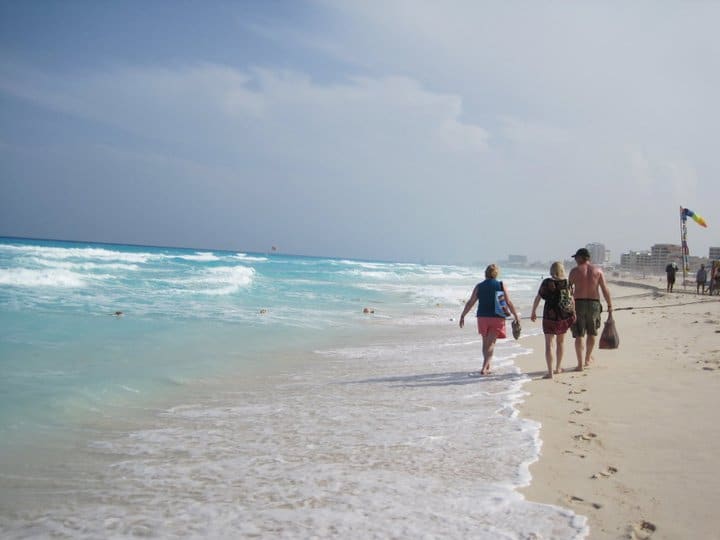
point(684, 244)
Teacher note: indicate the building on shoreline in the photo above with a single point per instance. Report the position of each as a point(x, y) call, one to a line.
point(638, 261)
point(654, 260)
point(646, 261)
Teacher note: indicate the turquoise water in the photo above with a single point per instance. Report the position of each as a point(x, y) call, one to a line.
point(186, 313)
point(249, 395)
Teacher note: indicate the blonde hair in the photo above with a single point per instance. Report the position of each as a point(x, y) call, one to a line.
point(492, 271)
point(557, 270)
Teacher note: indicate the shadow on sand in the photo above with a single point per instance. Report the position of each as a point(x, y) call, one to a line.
point(452, 378)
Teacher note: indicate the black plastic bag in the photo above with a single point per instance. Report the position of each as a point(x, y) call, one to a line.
point(609, 338)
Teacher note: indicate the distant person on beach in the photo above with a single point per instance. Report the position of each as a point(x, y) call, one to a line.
point(671, 269)
point(558, 314)
point(714, 278)
point(491, 324)
point(587, 281)
point(701, 279)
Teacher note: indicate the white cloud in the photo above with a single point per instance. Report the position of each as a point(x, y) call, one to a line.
point(217, 100)
point(484, 116)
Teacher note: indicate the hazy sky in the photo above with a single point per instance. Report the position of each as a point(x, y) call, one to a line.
point(439, 131)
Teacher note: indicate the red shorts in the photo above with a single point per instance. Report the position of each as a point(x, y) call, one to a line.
point(491, 324)
point(557, 327)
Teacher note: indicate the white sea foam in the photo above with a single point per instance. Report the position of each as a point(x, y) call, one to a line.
point(221, 280)
point(200, 256)
point(250, 258)
point(84, 266)
point(230, 278)
point(412, 278)
point(55, 278)
point(361, 264)
point(49, 252)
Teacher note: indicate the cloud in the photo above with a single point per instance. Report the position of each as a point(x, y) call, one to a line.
point(464, 130)
point(175, 104)
point(274, 141)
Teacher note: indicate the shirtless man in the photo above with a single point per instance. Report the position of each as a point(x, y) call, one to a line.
point(587, 280)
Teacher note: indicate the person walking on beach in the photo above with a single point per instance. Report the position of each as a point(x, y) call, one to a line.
point(700, 279)
point(587, 281)
point(671, 269)
point(713, 286)
point(558, 315)
point(491, 312)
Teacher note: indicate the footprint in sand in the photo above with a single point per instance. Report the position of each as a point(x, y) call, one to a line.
point(585, 436)
point(573, 499)
point(607, 473)
point(581, 411)
point(642, 530)
point(577, 391)
point(581, 456)
point(710, 365)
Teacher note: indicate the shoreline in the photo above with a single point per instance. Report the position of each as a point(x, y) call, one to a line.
point(630, 442)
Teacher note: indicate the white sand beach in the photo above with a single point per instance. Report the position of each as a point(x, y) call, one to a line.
point(632, 442)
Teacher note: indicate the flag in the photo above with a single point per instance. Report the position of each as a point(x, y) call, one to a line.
point(686, 213)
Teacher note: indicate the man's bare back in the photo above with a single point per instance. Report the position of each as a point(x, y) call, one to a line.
point(588, 280)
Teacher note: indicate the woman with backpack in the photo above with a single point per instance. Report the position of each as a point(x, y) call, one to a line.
point(558, 314)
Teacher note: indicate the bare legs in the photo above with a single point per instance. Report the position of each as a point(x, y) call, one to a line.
point(560, 352)
point(488, 344)
point(583, 354)
point(550, 340)
point(579, 353)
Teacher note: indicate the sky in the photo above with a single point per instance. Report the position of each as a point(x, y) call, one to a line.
point(459, 131)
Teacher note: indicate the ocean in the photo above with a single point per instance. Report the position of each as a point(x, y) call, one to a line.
point(191, 393)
